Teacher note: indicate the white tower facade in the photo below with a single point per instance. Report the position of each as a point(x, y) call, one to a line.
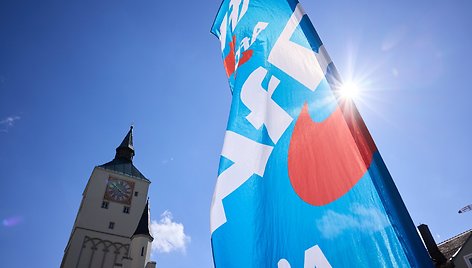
point(140, 249)
point(113, 205)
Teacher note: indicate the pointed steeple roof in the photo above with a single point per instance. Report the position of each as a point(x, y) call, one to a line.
point(143, 225)
point(126, 150)
point(123, 161)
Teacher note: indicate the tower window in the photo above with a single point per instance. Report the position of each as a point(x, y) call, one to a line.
point(135, 193)
point(142, 251)
point(105, 204)
point(111, 225)
point(126, 209)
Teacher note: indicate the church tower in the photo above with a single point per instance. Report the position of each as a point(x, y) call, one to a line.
point(112, 225)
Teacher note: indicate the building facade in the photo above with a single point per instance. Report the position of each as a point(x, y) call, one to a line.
point(455, 252)
point(458, 250)
point(112, 225)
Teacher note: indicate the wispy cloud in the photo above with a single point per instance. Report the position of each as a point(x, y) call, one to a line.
point(168, 235)
point(166, 161)
point(361, 218)
point(8, 122)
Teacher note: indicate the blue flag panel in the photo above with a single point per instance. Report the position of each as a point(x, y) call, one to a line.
point(301, 182)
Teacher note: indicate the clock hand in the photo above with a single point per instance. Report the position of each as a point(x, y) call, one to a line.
point(118, 188)
point(121, 191)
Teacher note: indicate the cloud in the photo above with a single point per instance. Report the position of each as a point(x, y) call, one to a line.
point(166, 161)
point(361, 218)
point(168, 235)
point(8, 122)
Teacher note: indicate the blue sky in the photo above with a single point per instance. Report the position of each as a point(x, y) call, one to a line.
point(75, 74)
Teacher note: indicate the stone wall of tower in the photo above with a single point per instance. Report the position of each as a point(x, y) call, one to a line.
point(92, 242)
point(103, 251)
point(140, 251)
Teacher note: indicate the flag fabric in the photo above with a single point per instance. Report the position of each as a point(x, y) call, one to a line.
point(301, 182)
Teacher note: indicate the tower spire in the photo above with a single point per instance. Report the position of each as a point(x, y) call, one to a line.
point(126, 150)
point(143, 225)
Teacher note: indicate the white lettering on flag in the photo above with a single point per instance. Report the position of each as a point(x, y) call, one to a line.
point(223, 30)
point(249, 158)
point(238, 10)
point(303, 64)
point(314, 257)
point(264, 110)
point(247, 42)
point(283, 263)
point(260, 26)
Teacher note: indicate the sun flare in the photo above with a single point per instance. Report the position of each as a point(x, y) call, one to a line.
point(349, 90)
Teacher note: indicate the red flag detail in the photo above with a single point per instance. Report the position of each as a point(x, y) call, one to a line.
point(230, 59)
point(327, 159)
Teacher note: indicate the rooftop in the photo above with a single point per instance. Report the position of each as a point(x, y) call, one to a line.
point(452, 245)
point(143, 225)
point(123, 161)
point(125, 168)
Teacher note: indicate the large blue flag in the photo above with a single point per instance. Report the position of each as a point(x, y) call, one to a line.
point(301, 182)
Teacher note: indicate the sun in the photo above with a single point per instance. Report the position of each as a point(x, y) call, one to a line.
point(349, 90)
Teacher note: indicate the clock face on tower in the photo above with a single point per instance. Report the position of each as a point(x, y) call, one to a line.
point(119, 191)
